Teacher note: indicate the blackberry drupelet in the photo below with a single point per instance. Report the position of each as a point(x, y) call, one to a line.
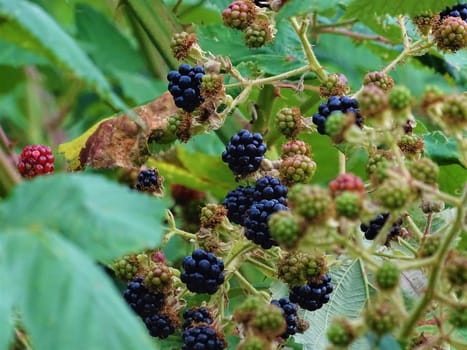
point(289, 310)
point(312, 296)
point(343, 104)
point(262, 3)
point(372, 229)
point(148, 180)
point(36, 160)
point(160, 325)
point(459, 10)
point(244, 152)
point(237, 203)
point(202, 338)
point(185, 85)
point(196, 315)
point(144, 302)
point(256, 221)
point(203, 272)
point(269, 187)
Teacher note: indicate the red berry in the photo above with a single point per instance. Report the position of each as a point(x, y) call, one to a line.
point(36, 160)
point(346, 182)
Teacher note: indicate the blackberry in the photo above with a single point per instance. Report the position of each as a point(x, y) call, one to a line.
point(269, 187)
point(237, 203)
point(144, 302)
point(459, 10)
point(343, 104)
point(160, 325)
point(203, 272)
point(148, 180)
point(196, 315)
point(36, 160)
point(244, 152)
point(312, 296)
point(262, 3)
point(185, 85)
point(372, 229)
point(202, 338)
point(289, 311)
point(256, 222)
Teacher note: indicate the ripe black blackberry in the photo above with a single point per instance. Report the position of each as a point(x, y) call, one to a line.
point(262, 3)
point(160, 325)
point(144, 302)
point(203, 272)
point(256, 221)
point(312, 296)
point(372, 229)
point(343, 104)
point(289, 310)
point(459, 10)
point(202, 338)
point(196, 315)
point(185, 86)
point(148, 180)
point(244, 152)
point(237, 203)
point(269, 187)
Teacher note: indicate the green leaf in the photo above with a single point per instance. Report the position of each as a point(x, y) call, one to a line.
point(304, 7)
point(64, 299)
point(452, 179)
point(30, 27)
point(440, 148)
point(105, 219)
point(349, 295)
point(388, 342)
point(15, 56)
point(6, 304)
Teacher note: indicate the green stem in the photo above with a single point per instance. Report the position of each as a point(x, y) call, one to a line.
point(245, 283)
point(413, 227)
point(264, 106)
point(448, 301)
point(407, 245)
point(440, 256)
point(267, 270)
point(416, 264)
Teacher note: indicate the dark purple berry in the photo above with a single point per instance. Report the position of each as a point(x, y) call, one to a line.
point(202, 338)
point(159, 325)
point(289, 310)
point(203, 272)
point(312, 296)
point(141, 300)
point(185, 86)
point(196, 315)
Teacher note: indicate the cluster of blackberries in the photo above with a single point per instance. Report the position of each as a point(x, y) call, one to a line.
point(343, 104)
point(148, 180)
point(372, 229)
point(244, 152)
point(185, 86)
point(197, 332)
point(252, 207)
point(148, 305)
point(459, 10)
point(196, 315)
point(289, 310)
point(203, 272)
point(312, 296)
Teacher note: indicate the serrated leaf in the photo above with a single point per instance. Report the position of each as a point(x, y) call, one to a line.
point(105, 219)
point(349, 295)
point(65, 301)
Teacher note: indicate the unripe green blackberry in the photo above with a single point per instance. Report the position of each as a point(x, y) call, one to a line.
point(381, 317)
point(451, 34)
point(252, 343)
point(379, 79)
point(295, 147)
point(430, 246)
point(159, 278)
point(212, 86)
point(431, 205)
point(246, 311)
point(311, 202)
point(212, 215)
point(431, 97)
point(284, 228)
point(377, 165)
point(425, 170)
point(458, 317)
point(456, 268)
point(289, 121)
point(269, 321)
point(169, 134)
point(372, 101)
point(454, 112)
point(400, 97)
point(298, 268)
point(393, 193)
point(335, 85)
point(387, 276)
point(258, 34)
point(411, 145)
point(349, 204)
point(239, 14)
point(337, 124)
point(297, 169)
point(341, 332)
point(181, 44)
point(126, 268)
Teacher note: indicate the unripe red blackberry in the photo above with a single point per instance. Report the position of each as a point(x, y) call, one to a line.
point(393, 193)
point(295, 147)
point(269, 321)
point(159, 278)
point(284, 228)
point(36, 160)
point(381, 317)
point(239, 14)
point(372, 101)
point(297, 169)
point(456, 268)
point(341, 332)
point(400, 97)
point(379, 79)
point(346, 182)
point(289, 121)
point(425, 170)
point(411, 145)
point(335, 85)
point(126, 268)
point(349, 204)
point(311, 202)
point(454, 112)
point(458, 317)
point(451, 34)
point(258, 34)
point(181, 44)
point(387, 276)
